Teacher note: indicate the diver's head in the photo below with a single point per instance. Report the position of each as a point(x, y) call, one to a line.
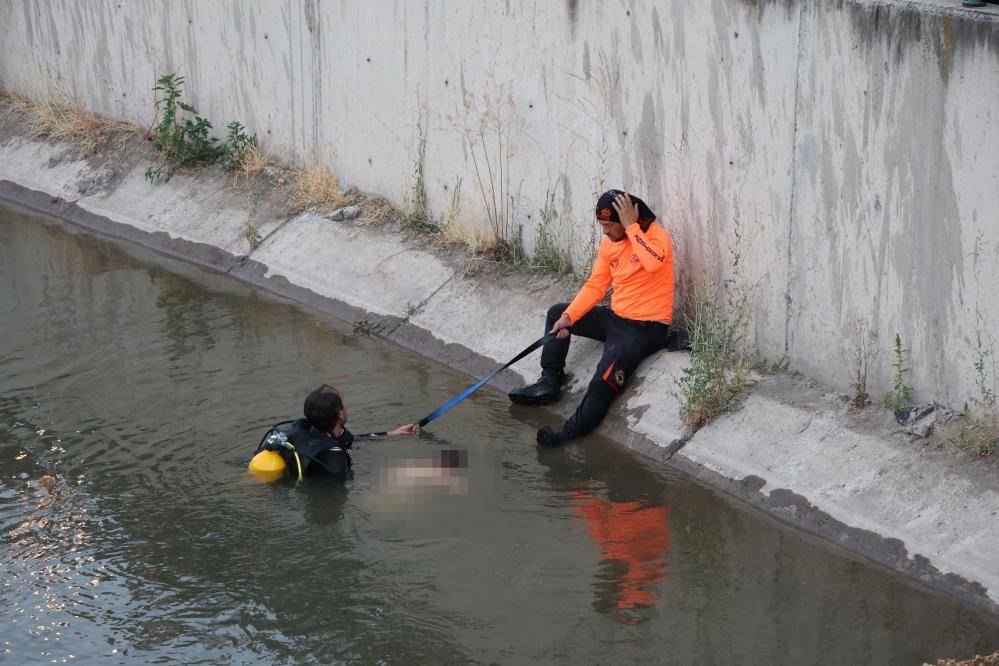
point(325, 411)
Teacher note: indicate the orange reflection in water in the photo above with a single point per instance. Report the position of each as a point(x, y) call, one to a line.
point(635, 537)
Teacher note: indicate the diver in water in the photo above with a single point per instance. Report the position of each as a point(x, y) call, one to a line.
point(319, 443)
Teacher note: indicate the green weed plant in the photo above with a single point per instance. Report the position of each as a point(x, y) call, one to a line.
point(184, 137)
point(977, 430)
point(253, 237)
point(420, 219)
point(899, 399)
point(719, 365)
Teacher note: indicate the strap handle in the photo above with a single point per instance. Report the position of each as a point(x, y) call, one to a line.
point(440, 411)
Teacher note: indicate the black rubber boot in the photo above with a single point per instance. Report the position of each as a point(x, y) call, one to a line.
point(550, 438)
point(545, 391)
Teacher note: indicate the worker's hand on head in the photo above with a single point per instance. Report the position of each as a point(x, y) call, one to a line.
point(627, 210)
point(561, 327)
point(408, 429)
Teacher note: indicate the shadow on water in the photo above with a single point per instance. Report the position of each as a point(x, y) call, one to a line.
point(133, 391)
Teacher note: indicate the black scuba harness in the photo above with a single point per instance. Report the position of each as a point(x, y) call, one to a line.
point(281, 442)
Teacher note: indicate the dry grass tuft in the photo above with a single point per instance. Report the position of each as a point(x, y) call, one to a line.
point(55, 118)
point(315, 188)
point(377, 210)
point(473, 237)
point(253, 162)
point(975, 430)
point(977, 660)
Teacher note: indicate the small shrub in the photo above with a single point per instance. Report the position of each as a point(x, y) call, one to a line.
point(986, 388)
point(899, 398)
point(184, 137)
point(420, 219)
point(718, 365)
point(183, 142)
point(975, 430)
point(237, 148)
point(253, 237)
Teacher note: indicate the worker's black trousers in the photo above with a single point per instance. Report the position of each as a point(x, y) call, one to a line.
point(626, 343)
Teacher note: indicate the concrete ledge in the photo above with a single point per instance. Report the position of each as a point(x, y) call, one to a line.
point(794, 449)
point(861, 479)
point(374, 271)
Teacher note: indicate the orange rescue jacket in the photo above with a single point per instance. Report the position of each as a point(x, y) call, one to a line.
point(639, 268)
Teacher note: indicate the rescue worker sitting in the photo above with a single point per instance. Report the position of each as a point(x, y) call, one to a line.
point(635, 259)
point(320, 442)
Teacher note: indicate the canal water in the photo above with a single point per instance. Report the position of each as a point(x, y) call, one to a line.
point(133, 390)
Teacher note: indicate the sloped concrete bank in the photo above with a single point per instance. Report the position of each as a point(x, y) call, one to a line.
point(794, 449)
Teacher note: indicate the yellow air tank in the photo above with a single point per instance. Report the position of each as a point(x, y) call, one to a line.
point(268, 466)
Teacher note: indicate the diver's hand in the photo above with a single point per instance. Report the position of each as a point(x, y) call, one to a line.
point(408, 429)
point(561, 327)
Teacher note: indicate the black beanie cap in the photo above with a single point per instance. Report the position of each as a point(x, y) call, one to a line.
point(605, 208)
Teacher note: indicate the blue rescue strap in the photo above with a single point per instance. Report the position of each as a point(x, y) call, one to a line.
point(440, 411)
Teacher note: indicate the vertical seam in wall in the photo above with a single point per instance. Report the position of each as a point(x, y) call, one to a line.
point(794, 178)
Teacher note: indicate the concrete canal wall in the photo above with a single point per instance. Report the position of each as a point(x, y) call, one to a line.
point(839, 157)
point(847, 153)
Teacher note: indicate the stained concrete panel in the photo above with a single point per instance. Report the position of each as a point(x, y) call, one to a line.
point(374, 271)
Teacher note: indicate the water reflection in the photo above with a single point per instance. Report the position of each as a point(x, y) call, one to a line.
point(185, 322)
point(323, 499)
point(622, 507)
point(633, 540)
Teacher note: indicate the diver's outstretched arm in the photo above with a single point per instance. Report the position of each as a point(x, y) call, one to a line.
point(408, 429)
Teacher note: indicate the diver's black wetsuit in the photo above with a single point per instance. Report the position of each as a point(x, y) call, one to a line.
point(626, 343)
point(320, 452)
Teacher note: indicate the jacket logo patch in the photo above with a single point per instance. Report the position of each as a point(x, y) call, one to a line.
point(641, 241)
point(634, 258)
point(619, 377)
